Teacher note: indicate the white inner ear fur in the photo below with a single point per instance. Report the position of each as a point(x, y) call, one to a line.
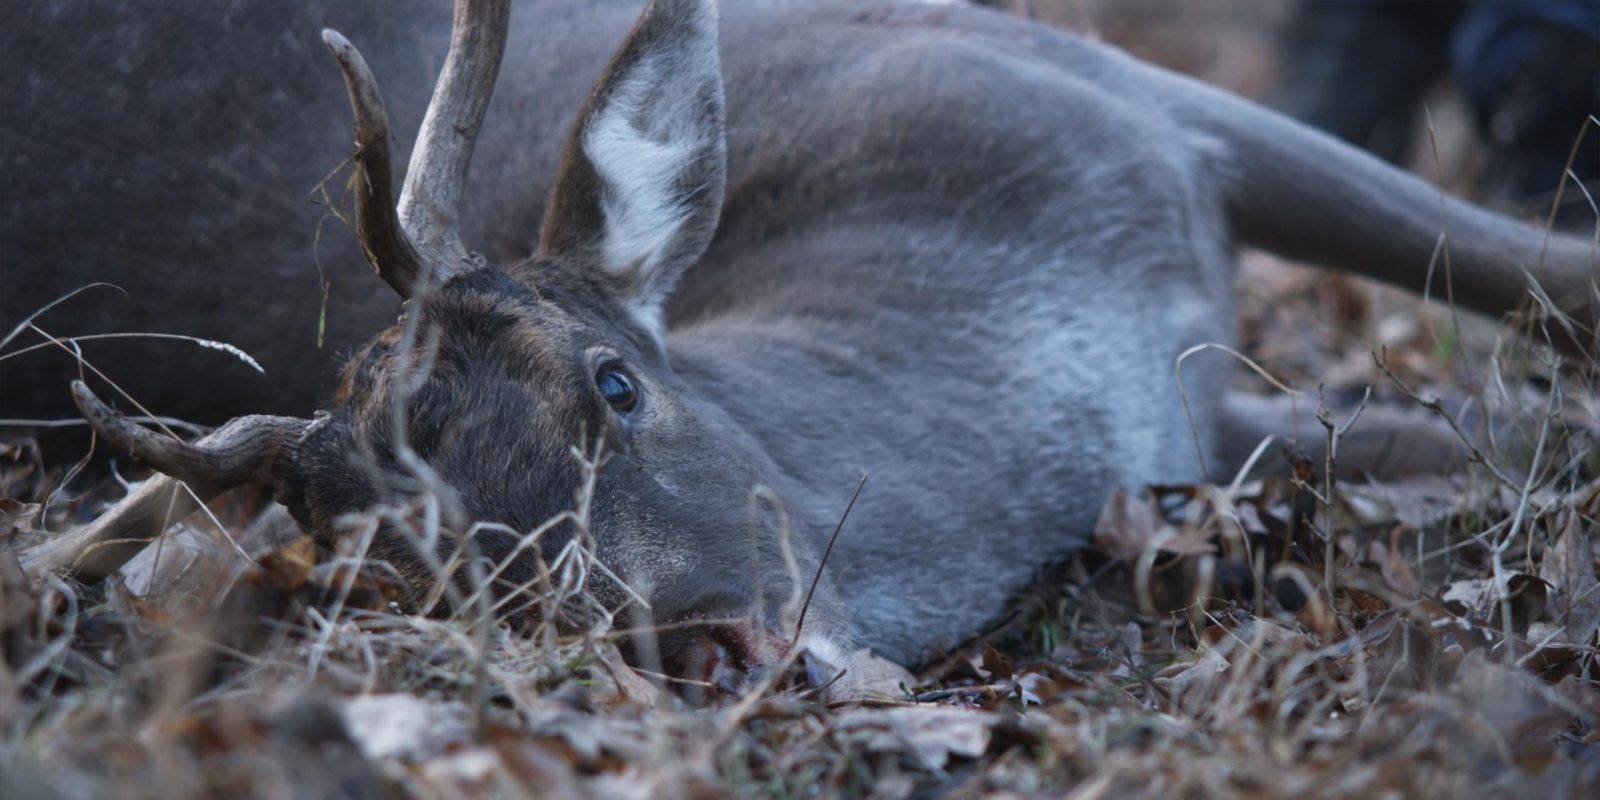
point(641, 142)
point(642, 210)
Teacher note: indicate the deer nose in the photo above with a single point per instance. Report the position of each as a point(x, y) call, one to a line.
point(727, 658)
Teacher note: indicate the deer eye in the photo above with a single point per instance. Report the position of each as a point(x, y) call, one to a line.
point(617, 389)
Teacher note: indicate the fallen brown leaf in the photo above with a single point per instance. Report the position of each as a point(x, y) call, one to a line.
point(1129, 526)
point(1574, 597)
point(929, 735)
point(404, 727)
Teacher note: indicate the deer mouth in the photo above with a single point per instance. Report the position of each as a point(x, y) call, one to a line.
point(728, 660)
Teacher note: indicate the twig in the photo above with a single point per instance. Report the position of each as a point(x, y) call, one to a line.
point(1381, 359)
point(1330, 457)
point(209, 344)
point(1444, 224)
point(1001, 689)
point(1183, 394)
point(28, 320)
point(815, 579)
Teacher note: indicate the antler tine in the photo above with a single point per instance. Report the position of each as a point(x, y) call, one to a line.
point(430, 202)
point(252, 449)
point(383, 239)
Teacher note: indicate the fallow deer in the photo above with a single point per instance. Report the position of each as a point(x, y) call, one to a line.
point(949, 248)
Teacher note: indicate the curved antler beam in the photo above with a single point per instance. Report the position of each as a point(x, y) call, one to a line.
point(430, 203)
point(418, 239)
point(383, 238)
point(252, 449)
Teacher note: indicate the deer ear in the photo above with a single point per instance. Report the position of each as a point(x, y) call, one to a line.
point(640, 184)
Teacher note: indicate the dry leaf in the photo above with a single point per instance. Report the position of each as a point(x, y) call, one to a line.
point(1419, 501)
point(464, 773)
point(157, 569)
point(1480, 601)
point(928, 734)
point(1193, 678)
point(868, 677)
point(403, 726)
point(996, 665)
point(289, 567)
point(16, 516)
point(1574, 599)
point(1473, 595)
point(1396, 570)
point(1128, 526)
point(1516, 716)
point(616, 683)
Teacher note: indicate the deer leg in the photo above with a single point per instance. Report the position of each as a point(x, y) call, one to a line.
point(1384, 443)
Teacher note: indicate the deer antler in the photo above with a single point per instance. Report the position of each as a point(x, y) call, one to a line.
point(252, 449)
point(419, 240)
point(431, 199)
point(96, 549)
point(384, 242)
point(411, 245)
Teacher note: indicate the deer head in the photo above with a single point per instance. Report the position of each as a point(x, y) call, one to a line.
point(533, 407)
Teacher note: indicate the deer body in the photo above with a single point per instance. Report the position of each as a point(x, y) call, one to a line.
point(934, 305)
point(957, 252)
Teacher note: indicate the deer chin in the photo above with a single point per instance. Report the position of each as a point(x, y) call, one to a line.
point(727, 658)
point(851, 674)
point(731, 660)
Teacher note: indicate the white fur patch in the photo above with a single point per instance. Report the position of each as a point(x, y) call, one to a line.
point(641, 166)
point(645, 140)
point(642, 212)
point(826, 650)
